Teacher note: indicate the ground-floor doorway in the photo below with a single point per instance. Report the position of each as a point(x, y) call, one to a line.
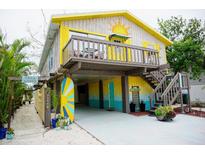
point(83, 94)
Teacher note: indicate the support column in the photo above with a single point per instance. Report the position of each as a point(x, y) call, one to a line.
point(101, 94)
point(188, 90)
point(58, 92)
point(181, 100)
point(47, 106)
point(125, 94)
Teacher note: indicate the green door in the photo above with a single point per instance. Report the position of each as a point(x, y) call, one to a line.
point(111, 105)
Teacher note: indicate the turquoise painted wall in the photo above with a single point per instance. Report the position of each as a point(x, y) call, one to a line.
point(117, 91)
point(94, 100)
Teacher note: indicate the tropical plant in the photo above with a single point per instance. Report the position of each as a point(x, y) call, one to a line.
point(12, 63)
point(3, 120)
point(62, 122)
point(55, 100)
point(58, 123)
point(165, 112)
point(65, 123)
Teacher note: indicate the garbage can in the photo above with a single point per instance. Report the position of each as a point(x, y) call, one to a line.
point(132, 107)
point(142, 106)
point(185, 98)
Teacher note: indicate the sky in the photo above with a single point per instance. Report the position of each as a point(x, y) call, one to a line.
point(23, 23)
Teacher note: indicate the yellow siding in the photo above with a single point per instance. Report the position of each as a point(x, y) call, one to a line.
point(145, 88)
point(64, 35)
point(94, 99)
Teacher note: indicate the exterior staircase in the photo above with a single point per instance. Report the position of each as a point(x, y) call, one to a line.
point(154, 77)
point(167, 87)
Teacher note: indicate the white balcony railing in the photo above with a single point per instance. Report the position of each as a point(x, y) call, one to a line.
point(95, 49)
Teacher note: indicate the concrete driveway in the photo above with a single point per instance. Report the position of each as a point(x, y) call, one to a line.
point(29, 130)
point(119, 128)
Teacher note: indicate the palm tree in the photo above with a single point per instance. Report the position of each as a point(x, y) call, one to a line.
point(12, 63)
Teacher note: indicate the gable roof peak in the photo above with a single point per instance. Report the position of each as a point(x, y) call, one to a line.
point(127, 14)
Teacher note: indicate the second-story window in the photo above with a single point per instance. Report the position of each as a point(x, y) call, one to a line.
point(50, 60)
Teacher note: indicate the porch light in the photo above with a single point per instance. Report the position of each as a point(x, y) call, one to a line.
point(135, 89)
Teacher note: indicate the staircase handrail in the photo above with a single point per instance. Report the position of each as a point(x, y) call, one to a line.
point(160, 84)
point(152, 96)
point(176, 77)
point(153, 73)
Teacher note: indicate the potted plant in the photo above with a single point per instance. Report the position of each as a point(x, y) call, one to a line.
point(58, 125)
point(59, 121)
point(66, 122)
point(10, 134)
point(55, 103)
point(3, 120)
point(2, 132)
point(165, 113)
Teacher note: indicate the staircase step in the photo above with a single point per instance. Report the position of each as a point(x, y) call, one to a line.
point(148, 76)
point(154, 81)
point(145, 73)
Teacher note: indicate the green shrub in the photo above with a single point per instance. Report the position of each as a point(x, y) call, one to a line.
point(167, 112)
point(55, 100)
point(58, 123)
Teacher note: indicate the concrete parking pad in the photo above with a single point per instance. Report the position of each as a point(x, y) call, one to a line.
point(120, 128)
point(30, 131)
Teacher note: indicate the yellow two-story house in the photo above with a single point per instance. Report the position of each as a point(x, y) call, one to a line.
point(113, 58)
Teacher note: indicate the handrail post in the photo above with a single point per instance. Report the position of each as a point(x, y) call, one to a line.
point(188, 86)
point(126, 54)
point(72, 48)
point(158, 58)
point(143, 56)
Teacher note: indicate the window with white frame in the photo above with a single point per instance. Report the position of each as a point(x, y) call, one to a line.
point(50, 60)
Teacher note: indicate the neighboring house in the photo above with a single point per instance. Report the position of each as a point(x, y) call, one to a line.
point(197, 90)
point(114, 59)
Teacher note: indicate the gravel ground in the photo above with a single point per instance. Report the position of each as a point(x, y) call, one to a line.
point(29, 130)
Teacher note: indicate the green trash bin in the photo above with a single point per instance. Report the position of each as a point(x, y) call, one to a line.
point(185, 98)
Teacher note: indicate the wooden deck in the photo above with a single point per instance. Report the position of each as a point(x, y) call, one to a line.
point(94, 54)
